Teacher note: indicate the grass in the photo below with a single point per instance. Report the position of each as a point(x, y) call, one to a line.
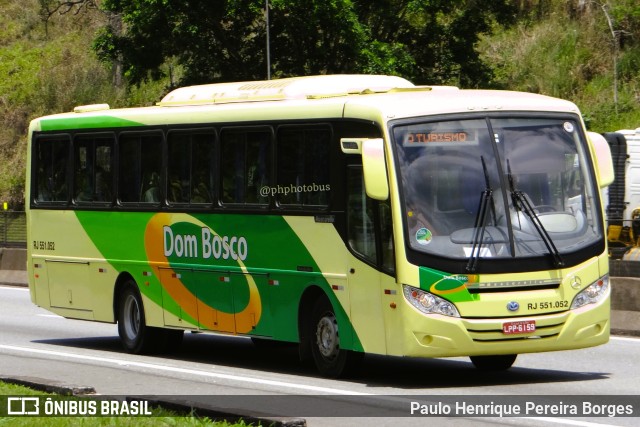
point(573, 59)
point(160, 417)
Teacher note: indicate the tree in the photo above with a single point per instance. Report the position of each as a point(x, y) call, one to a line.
point(49, 8)
point(429, 41)
point(316, 37)
point(212, 40)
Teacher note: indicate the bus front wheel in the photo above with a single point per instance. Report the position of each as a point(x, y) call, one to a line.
point(330, 359)
point(493, 363)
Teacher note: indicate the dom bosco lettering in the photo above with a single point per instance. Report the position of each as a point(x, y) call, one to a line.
point(209, 246)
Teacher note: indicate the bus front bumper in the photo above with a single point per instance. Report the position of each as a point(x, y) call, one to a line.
point(442, 336)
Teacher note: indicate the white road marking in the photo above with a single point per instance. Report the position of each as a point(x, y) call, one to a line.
point(157, 367)
point(15, 288)
point(240, 378)
point(628, 339)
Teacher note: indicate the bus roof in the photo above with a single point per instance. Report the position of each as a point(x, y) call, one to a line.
point(310, 87)
point(369, 97)
point(443, 101)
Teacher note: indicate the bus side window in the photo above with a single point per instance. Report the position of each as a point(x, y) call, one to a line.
point(191, 167)
point(386, 236)
point(362, 238)
point(52, 156)
point(140, 158)
point(245, 166)
point(303, 166)
point(370, 229)
point(93, 160)
point(178, 168)
point(202, 167)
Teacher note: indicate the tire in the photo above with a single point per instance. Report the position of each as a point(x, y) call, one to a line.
point(324, 339)
point(136, 336)
point(493, 363)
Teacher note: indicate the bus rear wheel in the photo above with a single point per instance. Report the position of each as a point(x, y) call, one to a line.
point(493, 363)
point(330, 359)
point(136, 336)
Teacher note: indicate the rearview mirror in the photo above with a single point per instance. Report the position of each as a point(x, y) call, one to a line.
point(373, 164)
point(603, 161)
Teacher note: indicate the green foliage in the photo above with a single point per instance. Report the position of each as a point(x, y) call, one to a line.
point(386, 58)
point(563, 48)
point(49, 67)
point(574, 56)
point(322, 29)
point(209, 39)
point(427, 41)
point(626, 15)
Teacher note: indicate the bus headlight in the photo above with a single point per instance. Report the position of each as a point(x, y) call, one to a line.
point(429, 303)
point(592, 293)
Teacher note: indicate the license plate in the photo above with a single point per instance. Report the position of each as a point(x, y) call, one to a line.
point(520, 327)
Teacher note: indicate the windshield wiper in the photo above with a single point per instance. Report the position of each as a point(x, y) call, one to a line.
point(521, 202)
point(480, 225)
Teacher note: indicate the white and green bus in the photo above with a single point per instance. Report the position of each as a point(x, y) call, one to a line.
point(350, 214)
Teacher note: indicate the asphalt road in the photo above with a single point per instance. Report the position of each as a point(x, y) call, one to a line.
point(37, 344)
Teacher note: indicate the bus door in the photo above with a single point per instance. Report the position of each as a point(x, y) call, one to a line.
point(371, 265)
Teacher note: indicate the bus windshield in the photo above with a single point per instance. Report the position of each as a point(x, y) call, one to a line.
point(496, 189)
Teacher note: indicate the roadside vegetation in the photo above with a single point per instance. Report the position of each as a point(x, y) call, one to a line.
point(160, 417)
point(55, 54)
point(46, 68)
point(586, 51)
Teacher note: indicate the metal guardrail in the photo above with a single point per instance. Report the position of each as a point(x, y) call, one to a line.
point(13, 229)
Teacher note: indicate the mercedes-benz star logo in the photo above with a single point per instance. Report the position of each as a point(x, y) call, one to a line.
point(576, 282)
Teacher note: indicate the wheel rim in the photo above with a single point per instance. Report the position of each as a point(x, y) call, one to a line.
point(131, 317)
point(327, 338)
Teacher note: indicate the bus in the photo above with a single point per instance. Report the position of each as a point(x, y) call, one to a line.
point(347, 214)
